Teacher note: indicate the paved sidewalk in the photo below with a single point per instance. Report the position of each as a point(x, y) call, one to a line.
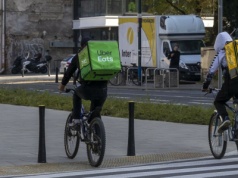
point(33, 78)
point(154, 141)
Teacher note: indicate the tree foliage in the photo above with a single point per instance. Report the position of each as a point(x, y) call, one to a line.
point(203, 8)
point(179, 6)
point(230, 13)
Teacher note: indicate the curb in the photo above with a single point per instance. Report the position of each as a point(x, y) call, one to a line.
point(9, 79)
point(109, 163)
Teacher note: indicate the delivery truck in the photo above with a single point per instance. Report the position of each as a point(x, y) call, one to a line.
point(159, 34)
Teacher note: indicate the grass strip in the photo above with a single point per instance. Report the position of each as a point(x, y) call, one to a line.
point(112, 107)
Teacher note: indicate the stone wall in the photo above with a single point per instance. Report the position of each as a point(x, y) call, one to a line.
point(32, 25)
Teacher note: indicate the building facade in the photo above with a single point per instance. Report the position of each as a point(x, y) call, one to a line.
point(56, 25)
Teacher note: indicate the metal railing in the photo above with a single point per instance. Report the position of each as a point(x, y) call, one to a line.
point(162, 73)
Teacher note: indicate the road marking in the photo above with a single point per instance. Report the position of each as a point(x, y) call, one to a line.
point(204, 175)
point(177, 171)
point(120, 97)
point(200, 103)
point(159, 100)
point(146, 94)
point(192, 166)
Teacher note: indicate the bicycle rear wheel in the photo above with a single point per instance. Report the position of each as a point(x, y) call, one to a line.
point(71, 139)
point(217, 143)
point(96, 146)
point(117, 79)
point(134, 78)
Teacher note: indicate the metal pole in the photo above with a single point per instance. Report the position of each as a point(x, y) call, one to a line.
point(131, 136)
point(56, 74)
point(23, 71)
point(75, 32)
point(3, 33)
point(139, 41)
point(220, 29)
point(48, 68)
point(42, 150)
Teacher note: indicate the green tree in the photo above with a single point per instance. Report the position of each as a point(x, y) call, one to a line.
point(230, 14)
point(132, 6)
point(178, 6)
point(183, 7)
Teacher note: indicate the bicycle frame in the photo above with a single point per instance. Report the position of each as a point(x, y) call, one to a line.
point(228, 136)
point(86, 116)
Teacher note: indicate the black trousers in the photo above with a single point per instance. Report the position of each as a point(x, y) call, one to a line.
point(229, 89)
point(97, 96)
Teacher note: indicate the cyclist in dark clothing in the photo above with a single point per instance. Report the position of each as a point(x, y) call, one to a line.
point(95, 91)
point(174, 57)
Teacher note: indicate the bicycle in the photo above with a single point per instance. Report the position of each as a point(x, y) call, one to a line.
point(118, 78)
point(131, 74)
point(91, 131)
point(218, 141)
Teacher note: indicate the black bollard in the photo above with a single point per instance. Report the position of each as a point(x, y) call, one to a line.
point(41, 151)
point(56, 74)
point(22, 73)
point(131, 137)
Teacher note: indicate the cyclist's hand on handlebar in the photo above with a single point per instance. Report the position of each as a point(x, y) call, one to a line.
point(61, 88)
point(205, 86)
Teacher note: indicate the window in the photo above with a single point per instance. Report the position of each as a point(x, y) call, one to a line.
point(90, 8)
point(101, 33)
point(189, 46)
point(114, 7)
point(166, 49)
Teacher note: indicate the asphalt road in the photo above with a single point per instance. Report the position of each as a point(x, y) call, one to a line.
point(174, 96)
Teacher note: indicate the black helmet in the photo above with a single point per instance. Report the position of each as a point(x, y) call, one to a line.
point(84, 41)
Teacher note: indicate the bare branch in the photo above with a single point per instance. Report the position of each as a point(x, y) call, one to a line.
point(175, 7)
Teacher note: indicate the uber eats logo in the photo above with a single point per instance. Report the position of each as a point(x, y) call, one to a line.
point(104, 56)
point(84, 60)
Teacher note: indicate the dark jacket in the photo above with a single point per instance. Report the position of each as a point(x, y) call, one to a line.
point(74, 65)
point(174, 60)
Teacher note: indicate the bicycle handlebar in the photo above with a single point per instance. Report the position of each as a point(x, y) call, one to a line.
point(210, 90)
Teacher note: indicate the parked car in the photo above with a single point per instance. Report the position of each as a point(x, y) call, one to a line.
point(65, 63)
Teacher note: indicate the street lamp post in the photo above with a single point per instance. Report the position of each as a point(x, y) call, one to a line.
point(75, 32)
point(220, 29)
point(139, 41)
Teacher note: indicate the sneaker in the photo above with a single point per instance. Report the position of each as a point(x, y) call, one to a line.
point(224, 126)
point(235, 135)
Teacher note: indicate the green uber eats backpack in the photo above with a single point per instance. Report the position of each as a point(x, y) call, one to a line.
point(99, 61)
point(231, 49)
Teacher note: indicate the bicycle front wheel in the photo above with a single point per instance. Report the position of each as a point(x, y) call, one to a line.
point(117, 79)
point(96, 146)
point(71, 139)
point(216, 140)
